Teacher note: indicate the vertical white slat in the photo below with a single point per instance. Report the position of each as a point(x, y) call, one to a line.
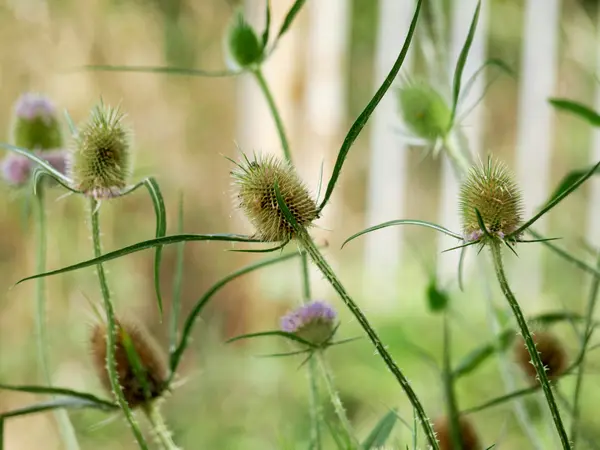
point(472, 126)
point(534, 133)
point(387, 163)
point(325, 105)
point(593, 229)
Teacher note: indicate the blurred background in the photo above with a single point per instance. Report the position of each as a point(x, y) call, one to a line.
point(323, 73)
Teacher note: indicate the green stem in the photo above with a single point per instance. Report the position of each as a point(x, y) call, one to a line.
point(111, 331)
point(453, 413)
point(589, 324)
point(163, 435)
point(62, 417)
point(274, 112)
point(309, 246)
point(334, 397)
point(529, 343)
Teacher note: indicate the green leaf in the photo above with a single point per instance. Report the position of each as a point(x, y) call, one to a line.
point(555, 201)
point(60, 403)
point(577, 109)
point(462, 60)
point(60, 391)
point(381, 432)
point(177, 353)
point(437, 299)
point(285, 334)
point(391, 223)
point(144, 245)
point(265, 35)
point(164, 69)
point(364, 116)
point(289, 17)
point(502, 399)
point(36, 159)
point(569, 179)
point(177, 283)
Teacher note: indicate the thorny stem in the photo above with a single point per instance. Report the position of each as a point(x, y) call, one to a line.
point(529, 343)
point(163, 435)
point(591, 306)
point(62, 417)
point(274, 112)
point(309, 246)
point(113, 376)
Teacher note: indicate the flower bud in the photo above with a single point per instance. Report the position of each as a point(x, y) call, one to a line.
point(255, 182)
point(313, 322)
point(243, 48)
point(17, 169)
point(101, 159)
point(35, 123)
point(424, 110)
point(150, 357)
point(490, 189)
point(467, 433)
point(552, 354)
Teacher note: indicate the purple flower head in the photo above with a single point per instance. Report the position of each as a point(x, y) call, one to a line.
point(16, 169)
point(314, 322)
point(32, 106)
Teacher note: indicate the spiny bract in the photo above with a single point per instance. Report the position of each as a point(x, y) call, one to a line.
point(35, 125)
point(150, 356)
point(424, 110)
point(490, 188)
point(101, 159)
point(255, 182)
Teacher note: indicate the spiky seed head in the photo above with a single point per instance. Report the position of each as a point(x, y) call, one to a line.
point(424, 110)
point(101, 160)
point(242, 46)
point(468, 435)
point(255, 184)
point(150, 356)
point(313, 322)
point(552, 354)
point(17, 169)
point(491, 189)
point(35, 123)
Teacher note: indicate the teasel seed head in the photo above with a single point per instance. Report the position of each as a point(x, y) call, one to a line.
point(468, 435)
point(35, 123)
point(424, 110)
point(313, 322)
point(490, 188)
point(242, 46)
point(101, 159)
point(150, 357)
point(552, 354)
point(255, 184)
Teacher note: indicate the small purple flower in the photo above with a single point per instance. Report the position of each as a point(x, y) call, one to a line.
point(17, 169)
point(314, 322)
point(31, 106)
point(473, 236)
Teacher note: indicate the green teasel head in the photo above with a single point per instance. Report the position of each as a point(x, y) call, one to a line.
point(101, 158)
point(255, 183)
point(35, 123)
point(424, 111)
point(490, 188)
point(242, 46)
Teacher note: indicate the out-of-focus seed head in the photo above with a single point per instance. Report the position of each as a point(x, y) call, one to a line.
point(424, 110)
point(468, 435)
point(490, 188)
point(17, 169)
point(150, 356)
point(255, 184)
point(101, 160)
point(35, 123)
point(242, 46)
point(552, 354)
point(313, 322)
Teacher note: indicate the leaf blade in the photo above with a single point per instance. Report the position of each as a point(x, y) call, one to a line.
point(381, 432)
point(578, 109)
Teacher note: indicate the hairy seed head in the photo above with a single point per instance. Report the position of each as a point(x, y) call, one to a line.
point(313, 322)
point(490, 188)
point(255, 184)
point(468, 435)
point(150, 356)
point(35, 123)
point(424, 110)
point(552, 354)
point(101, 162)
point(242, 46)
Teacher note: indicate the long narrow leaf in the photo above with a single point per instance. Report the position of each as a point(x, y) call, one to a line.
point(555, 201)
point(471, 81)
point(161, 230)
point(577, 109)
point(39, 173)
point(176, 354)
point(381, 432)
point(364, 116)
point(289, 17)
point(58, 391)
point(144, 245)
point(265, 35)
point(36, 159)
point(462, 60)
point(284, 334)
point(568, 180)
point(391, 223)
point(59, 403)
point(182, 71)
